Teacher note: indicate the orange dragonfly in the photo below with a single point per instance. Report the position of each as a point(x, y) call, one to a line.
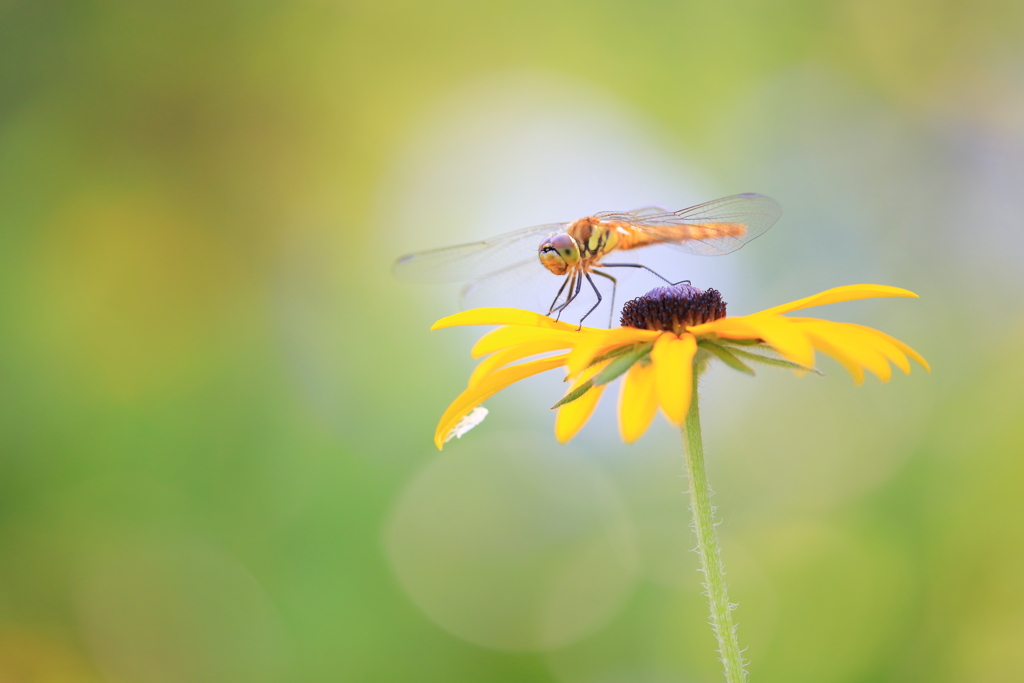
point(575, 251)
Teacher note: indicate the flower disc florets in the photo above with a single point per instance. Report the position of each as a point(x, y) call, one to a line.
point(672, 309)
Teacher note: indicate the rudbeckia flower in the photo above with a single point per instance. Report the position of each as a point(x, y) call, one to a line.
point(667, 339)
point(668, 336)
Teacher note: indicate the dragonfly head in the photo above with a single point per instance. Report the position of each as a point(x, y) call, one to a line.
point(559, 253)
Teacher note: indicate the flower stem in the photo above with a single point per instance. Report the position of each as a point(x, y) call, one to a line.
point(707, 546)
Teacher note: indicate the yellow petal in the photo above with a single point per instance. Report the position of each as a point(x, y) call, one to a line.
point(510, 335)
point(511, 355)
point(672, 358)
point(900, 345)
point(501, 316)
point(572, 416)
point(872, 338)
point(785, 337)
point(597, 342)
point(851, 364)
point(638, 402)
point(727, 328)
point(492, 384)
point(833, 337)
point(876, 340)
point(838, 294)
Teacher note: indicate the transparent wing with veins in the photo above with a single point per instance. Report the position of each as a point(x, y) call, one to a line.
point(710, 229)
point(476, 259)
point(526, 284)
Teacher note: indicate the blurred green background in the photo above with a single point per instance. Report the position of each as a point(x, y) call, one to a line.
point(216, 405)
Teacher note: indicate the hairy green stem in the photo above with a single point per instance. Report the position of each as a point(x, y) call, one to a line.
point(707, 545)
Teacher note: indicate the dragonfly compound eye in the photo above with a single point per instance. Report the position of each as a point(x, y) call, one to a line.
point(559, 253)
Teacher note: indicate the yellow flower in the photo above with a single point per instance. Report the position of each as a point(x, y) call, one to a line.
point(667, 336)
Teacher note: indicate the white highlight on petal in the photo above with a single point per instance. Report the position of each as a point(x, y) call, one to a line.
point(475, 417)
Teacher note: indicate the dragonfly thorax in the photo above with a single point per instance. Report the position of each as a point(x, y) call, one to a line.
point(559, 253)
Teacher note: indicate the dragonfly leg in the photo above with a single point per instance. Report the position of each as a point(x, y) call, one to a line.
point(551, 308)
point(637, 265)
point(598, 293)
point(571, 295)
point(574, 290)
point(615, 284)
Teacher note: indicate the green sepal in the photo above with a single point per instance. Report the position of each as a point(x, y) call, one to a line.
point(614, 353)
point(726, 356)
point(623, 359)
point(775, 362)
point(620, 364)
point(575, 394)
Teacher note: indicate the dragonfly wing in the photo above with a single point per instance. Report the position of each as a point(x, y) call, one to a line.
point(526, 284)
point(634, 216)
point(717, 227)
point(476, 259)
point(648, 211)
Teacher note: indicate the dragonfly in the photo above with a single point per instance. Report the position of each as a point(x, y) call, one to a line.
point(576, 251)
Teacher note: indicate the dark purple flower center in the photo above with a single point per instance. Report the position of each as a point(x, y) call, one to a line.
point(673, 308)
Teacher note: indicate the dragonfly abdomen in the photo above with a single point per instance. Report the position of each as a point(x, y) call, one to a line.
point(630, 237)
